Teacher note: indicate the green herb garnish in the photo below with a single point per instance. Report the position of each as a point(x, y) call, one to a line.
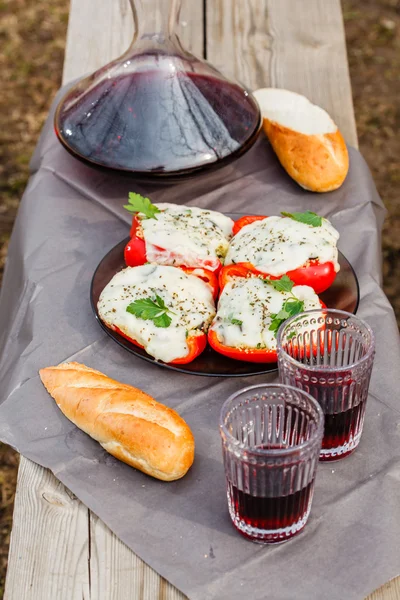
point(284, 284)
point(236, 322)
point(308, 217)
point(292, 305)
point(138, 203)
point(151, 310)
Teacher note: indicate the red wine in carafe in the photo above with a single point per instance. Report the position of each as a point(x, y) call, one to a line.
point(158, 121)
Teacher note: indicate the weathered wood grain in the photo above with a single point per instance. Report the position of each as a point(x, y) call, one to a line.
point(290, 44)
point(59, 550)
point(389, 591)
point(49, 541)
point(119, 574)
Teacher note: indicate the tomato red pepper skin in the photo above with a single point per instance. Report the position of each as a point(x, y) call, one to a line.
point(254, 355)
point(135, 225)
point(196, 344)
point(246, 220)
point(135, 252)
point(216, 269)
point(206, 275)
point(317, 276)
point(236, 270)
point(121, 333)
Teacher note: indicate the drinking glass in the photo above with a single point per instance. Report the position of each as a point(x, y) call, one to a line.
point(271, 437)
point(329, 354)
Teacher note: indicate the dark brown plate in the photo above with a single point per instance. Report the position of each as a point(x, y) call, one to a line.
point(344, 294)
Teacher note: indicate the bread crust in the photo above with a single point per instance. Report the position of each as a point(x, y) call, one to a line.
point(318, 163)
point(127, 422)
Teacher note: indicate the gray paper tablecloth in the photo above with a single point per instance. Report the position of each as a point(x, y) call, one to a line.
point(70, 216)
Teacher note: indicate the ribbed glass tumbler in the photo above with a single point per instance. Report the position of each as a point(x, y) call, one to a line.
point(271, 438)
point(329, 354)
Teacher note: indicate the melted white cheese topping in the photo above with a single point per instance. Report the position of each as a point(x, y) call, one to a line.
point(187, 296)
point(183, 235)
point(277, 245)
point(252, 302)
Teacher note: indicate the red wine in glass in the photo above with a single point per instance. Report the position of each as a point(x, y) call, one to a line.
point(283, 516)
point(342, 428)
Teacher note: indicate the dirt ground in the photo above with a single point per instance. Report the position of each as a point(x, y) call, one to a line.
point(32, 39)
point(373, 46)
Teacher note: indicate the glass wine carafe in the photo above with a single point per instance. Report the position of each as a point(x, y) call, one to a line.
point(157, 110)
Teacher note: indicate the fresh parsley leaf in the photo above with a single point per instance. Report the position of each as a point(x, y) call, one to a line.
point(150, 310)
point(138, 203)
point(162, 320)
point(281, 315)
point(275, 324)
point(236, 322)
point(284, 284)
point(160, 302)
point(291, 306)
point(291, 335)
point(145, 308)
point(308, 217)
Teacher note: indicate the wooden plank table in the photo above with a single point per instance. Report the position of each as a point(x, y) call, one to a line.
point(59, 549)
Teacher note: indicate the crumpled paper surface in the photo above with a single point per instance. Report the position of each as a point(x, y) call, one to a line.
point(70, 216)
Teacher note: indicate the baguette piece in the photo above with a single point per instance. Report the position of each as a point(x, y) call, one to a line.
point(305, 139)
point(127, 422)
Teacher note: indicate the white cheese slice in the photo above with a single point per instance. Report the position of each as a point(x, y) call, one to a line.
point(249, 302)
point(187, 297)
point(187, 235)
point(277, 245)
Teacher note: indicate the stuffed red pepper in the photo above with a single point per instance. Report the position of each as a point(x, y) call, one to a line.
point(169, 234)
point(300, 245)
point(250, 311)
point(161, 309)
